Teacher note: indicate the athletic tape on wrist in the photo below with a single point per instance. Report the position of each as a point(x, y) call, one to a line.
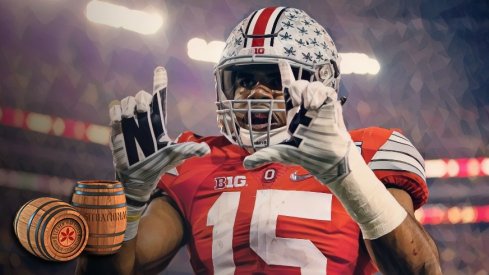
point(366, 199)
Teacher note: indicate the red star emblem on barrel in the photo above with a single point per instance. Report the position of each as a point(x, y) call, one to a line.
point(67, 236)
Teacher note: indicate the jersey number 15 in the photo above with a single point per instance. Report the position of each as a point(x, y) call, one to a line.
point(273, 250)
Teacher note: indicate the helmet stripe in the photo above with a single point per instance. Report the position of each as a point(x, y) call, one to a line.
point(275, 24)
point(252, 23)
point(261, 26)
point(252, 17)
point(272, 22)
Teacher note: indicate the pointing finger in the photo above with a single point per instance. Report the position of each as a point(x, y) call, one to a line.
point(160, 83)
point(286, 73)
point(160, 79)
point(297, 90)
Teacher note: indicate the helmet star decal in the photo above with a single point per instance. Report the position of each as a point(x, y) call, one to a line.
point(302, 30)
point(288, 24)
point(285, 36)
point(290, 51)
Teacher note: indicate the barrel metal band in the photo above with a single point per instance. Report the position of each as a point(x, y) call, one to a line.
point(83, 193)
point(98, 206)
point(29, 223)
point(87, 186)
point(18, 215)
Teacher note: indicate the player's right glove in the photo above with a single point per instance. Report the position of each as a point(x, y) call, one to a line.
point(141, 148)
point(320, 143)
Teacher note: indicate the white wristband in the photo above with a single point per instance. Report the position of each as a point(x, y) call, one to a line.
point(134, 214)
point(366, 198)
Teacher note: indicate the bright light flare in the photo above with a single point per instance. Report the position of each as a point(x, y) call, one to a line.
point(436, 168)
point(58, 126)
point(199, 49)
point(98, 134)
point(39, 122)
point(121, 17)
point(358, 63)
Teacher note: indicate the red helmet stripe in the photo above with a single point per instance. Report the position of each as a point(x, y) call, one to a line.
point(261, 26)
point(274, 27)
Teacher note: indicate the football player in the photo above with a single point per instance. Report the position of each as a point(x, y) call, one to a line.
point(286, 189)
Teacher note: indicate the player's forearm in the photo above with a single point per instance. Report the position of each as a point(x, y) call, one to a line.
point(123, 262)
point(159, 236)
point(395, 240)
point(408, 249)
point(366, 199)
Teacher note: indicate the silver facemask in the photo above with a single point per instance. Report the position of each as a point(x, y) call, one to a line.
point(253, 122)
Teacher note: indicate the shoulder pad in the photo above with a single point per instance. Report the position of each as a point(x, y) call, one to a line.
point(398, 154)
point(394, 160)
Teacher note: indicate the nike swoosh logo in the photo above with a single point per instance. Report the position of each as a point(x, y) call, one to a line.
point(296, 177)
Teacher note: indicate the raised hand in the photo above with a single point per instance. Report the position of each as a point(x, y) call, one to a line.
point(140, 145)
point(319, 141)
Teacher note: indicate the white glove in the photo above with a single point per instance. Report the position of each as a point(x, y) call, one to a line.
point(141, 148)
point(320, 143)
point(319, 140)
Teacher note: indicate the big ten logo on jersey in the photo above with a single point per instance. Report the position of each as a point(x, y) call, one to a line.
point(229, 182)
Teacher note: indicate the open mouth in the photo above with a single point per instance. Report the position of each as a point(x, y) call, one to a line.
point(259, 121)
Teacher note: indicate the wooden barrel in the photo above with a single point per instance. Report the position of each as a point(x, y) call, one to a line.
point(103, 204)
point(51, 229)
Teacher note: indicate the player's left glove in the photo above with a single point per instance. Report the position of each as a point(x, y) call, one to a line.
point(141, 148)
point(319, 140)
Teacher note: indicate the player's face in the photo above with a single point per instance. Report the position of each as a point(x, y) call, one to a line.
point(259, 82)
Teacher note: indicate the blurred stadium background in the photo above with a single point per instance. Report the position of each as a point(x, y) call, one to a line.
point(62, 63)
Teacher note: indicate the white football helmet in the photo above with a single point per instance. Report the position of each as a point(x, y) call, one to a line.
point(256, 44)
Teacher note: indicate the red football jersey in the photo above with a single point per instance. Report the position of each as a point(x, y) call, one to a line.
point(278, 219)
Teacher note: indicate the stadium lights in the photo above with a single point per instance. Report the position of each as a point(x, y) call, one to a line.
point(358, 63)
point(100, 134)
point(56, 126)
point(39, 122)
point(351, 63)
point(199, 49)
point(121, 17)
point(433, 214)
point(457, 168)
point(462, 214)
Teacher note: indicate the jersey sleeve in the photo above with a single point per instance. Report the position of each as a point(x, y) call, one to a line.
point(394, 160)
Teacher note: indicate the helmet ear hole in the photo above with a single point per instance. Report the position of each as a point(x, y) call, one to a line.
point(326, 72)
point(329, 74)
